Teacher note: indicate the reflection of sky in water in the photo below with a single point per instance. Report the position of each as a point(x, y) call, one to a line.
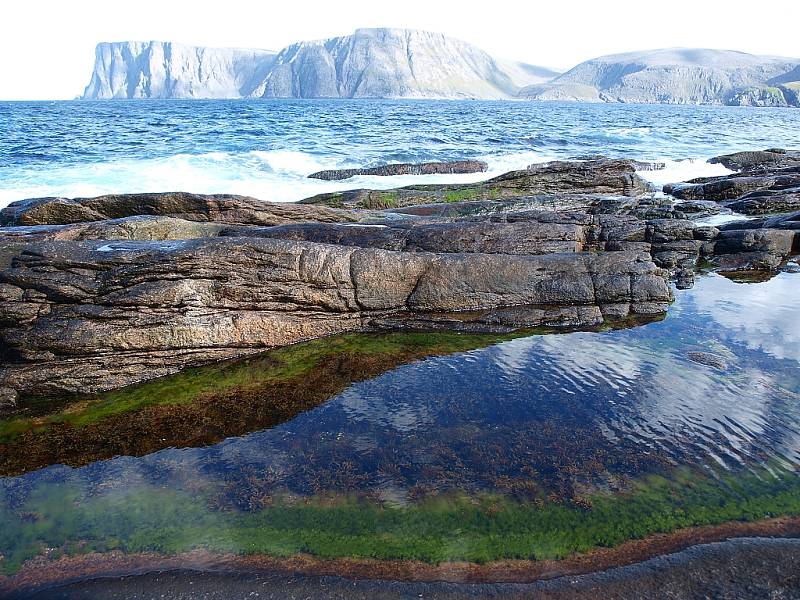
point(764, 317)
point(558, 410)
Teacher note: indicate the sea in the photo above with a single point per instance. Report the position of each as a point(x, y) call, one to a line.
point(267, 148)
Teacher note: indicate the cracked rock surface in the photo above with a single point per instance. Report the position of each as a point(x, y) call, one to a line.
point(103, 292)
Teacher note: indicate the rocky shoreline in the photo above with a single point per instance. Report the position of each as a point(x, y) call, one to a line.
point(103, 292)
point(601, 566)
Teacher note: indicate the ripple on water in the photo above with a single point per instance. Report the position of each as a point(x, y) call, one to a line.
point(560, 412)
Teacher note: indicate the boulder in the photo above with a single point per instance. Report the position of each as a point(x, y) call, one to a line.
point(723, 188)
point(746, 261)
point(774, 241)
point(767, 201)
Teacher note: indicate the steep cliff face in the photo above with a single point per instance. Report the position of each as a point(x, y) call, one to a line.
point(394, 63)
point(372, 63)
point(675, 75)
point(168, 70)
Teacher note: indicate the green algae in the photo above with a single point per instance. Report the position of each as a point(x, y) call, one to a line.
point(278, 365)
point(481, 529)
point(381, 200)
point(462, 195)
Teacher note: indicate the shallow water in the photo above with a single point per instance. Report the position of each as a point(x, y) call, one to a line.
point(714, 388)
point(266, 149)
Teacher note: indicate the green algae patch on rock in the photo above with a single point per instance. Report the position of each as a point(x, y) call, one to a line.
point(150, 518)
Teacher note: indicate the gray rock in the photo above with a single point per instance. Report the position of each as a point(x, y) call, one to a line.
point(775, 241)
point(756, 159)
point(746, 261)
point(767, 201)
point(708, 359)
point(523, 237)
point(86, 316)
point(593, 177)
point(220, 208)
point(429, 168)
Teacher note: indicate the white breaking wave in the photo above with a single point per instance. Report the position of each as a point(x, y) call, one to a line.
point(676, 171)
point(272, 175)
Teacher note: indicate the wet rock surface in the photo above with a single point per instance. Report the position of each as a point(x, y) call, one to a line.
point(763, 181)
point(428, 168)
point(102, 292)
point(220, 208)
point(741, 568)
point(758, 159)
point(614, 177)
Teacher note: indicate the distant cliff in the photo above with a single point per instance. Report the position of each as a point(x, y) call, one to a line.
point(371, 63)
point(168, 70)
point(676, 76)
point(394, 63)
point(403, 63)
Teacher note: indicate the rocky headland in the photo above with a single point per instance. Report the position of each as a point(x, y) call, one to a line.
point(404, 63)
point(99, 293)
point(370, 63)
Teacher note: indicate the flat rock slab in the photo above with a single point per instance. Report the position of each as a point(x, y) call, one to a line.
point(428, 168)
point(606, 176)
point(218, 208)
point(85, 316)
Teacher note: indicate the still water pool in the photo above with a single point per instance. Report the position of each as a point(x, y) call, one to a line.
point(531, 446)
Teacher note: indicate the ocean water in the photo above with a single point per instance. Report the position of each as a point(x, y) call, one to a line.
point(266, 149)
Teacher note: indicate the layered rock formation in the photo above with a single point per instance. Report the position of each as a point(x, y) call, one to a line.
point(371, 63)
point(675, 76)
point(220, 208)
point(102, 292)
point(765, 182)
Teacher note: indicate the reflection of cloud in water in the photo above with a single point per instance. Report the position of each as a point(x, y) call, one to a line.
point(763, 316)
point(574, 362)
point(635, 388)
point(392, 409)
point(673, 399)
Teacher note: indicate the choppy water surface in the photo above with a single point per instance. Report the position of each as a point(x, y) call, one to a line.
point(715, 386)
point(267, 148)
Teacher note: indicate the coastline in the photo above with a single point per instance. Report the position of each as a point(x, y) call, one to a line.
point(627, 250)
point(41, 573)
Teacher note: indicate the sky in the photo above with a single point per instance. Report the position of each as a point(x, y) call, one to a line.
point(47, 46)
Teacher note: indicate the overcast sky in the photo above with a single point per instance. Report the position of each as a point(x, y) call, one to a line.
point(47, 46)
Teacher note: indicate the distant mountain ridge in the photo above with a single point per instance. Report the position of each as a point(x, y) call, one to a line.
point(371, 63)
point(403, 63)
point(676, 76)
